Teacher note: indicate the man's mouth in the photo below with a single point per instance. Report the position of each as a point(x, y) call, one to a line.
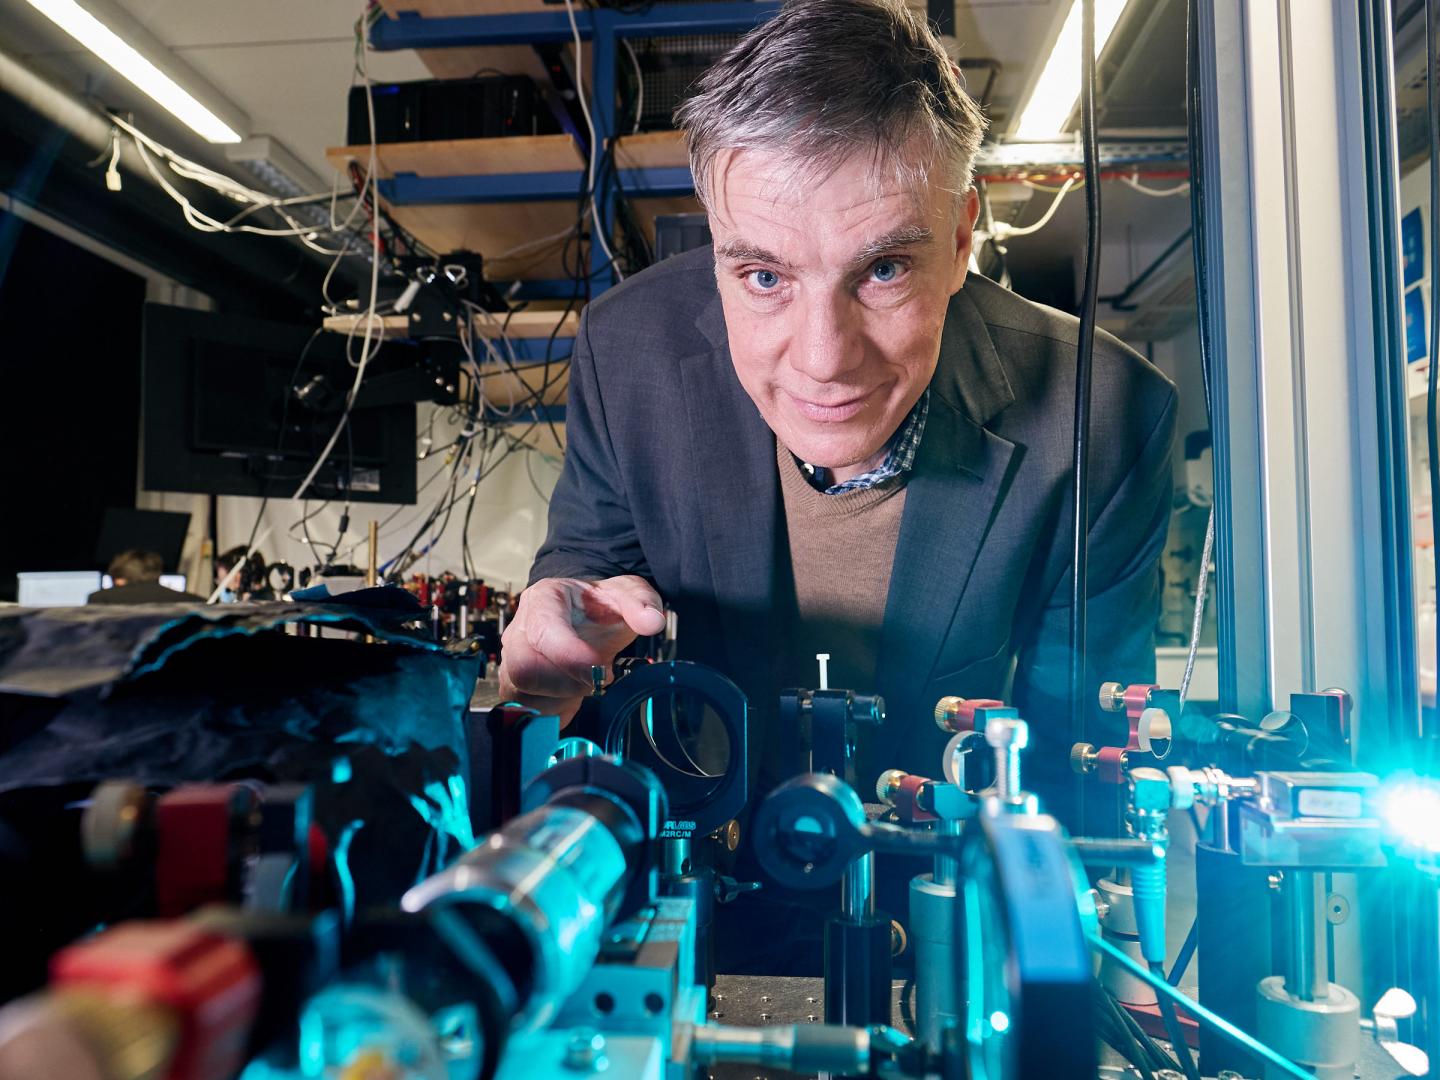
point(828, 412)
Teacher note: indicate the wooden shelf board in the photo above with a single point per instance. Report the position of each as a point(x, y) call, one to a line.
point(467, 62)
point(503, 388)
point(467, 157)
point(522, 324)
point(647, 209)
point(493, 229)
point(506, 234)
point(652, 150)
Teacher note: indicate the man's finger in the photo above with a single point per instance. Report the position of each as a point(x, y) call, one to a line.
point(529, 671)
point(549, 623)
point(637, 602)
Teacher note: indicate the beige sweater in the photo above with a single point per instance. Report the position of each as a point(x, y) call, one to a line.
point(842, 548)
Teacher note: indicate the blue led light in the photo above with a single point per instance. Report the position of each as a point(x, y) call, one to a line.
point(1410, 809)
point(999, 1022)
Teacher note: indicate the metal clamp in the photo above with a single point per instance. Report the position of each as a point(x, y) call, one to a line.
point(700, 801)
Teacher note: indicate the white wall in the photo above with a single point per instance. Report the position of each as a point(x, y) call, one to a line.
point(506, 527)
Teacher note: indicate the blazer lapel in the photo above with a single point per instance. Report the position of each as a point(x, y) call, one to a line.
point(960, 478)
point(734, 455)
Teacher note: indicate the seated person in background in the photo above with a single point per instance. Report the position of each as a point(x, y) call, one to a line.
point(136, 577)
point(244, 580)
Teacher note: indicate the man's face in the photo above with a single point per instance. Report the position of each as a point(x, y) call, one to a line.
point(834, 298)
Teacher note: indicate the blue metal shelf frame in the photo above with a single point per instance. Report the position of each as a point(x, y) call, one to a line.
point(602, 27)
point(407, 189)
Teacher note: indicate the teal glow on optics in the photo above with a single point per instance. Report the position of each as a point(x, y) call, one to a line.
point(446, 808)
point(340, 857)
point(1410, 810)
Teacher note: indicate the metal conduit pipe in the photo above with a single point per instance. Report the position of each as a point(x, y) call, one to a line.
point(81, 120)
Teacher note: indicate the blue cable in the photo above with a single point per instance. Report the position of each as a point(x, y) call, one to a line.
point(1248, 1043)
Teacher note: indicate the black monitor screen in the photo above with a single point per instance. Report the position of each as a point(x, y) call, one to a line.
point(237, 406)
point(160, 531)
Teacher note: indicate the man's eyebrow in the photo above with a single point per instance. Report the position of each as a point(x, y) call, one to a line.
point(905, 236)
point(744, 251)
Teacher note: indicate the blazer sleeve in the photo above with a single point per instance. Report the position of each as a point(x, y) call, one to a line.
point(1123, 587)
point(591, 532)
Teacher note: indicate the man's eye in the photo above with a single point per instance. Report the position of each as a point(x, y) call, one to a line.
point(886, 270)
point(763, 280)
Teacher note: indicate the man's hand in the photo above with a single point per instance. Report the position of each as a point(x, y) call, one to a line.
point(564, 627)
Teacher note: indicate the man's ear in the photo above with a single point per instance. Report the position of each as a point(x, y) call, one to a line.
point(964, 238)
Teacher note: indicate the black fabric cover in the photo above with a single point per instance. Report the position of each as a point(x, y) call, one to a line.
point(174, 694)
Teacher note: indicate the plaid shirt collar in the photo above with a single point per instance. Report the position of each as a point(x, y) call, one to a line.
point(900, 459)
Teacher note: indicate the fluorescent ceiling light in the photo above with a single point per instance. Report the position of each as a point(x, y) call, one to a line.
point(1058, 89)
point(124, 58)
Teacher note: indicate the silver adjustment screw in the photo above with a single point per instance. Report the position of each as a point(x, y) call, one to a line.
point(1007, 738)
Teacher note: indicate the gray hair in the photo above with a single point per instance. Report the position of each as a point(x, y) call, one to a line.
point(825, 79)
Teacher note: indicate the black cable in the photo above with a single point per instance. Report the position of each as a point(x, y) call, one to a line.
point(393, 513)
point(1432, 436)
point(530, 475)
point(446, 498)
point(1157, 1057)
point(581, 279)
point(1195, 150)
point(1120, 1037)
point(349, 490)
point(1173, 1030)
point(1123, 1023)
point(280, 440)
point(478, 422)
point(636, 248)
point(547, 380)
point(443, 506)
point(465, 559)
point(450, 499)
point(1079, 677)
point(1121, 301)
point(1187, 951)
point(907, 1006)
point(306, 514)
point(987, 213)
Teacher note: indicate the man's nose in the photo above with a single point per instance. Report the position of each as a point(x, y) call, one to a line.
point(827, 343)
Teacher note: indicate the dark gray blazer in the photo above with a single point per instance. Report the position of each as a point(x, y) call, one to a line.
point(670, 473)
point(142, 592)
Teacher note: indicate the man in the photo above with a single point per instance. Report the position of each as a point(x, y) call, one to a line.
point(136, 577)
point(828, 435)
